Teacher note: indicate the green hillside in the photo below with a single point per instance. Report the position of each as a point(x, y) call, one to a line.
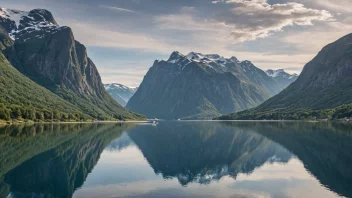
point(21, 98)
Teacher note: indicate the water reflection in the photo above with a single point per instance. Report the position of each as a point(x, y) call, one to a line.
point(177, 159)
point(51, 160)
point(204, 152)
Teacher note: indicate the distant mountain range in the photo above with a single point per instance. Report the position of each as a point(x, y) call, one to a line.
point(325, 83)
point(46, 74)
point(282, 77)
point(198, 86)
point(120, 93)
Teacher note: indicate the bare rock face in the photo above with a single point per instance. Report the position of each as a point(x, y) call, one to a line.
point(50, 56)
point(325, 82)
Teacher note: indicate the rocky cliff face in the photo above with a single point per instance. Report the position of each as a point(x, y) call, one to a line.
point(200, 86)
point(325, 82)
point(50, 56)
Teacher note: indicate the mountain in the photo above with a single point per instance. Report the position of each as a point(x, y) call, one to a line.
point(325, 83)
point(120, 93)
point(282, 77)
point(199, 86)
point(49, 55)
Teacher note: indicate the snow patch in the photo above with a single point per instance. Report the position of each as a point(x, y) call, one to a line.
point(280, 73)
point(13, 15)
point(211, 58)
point(31, 25)
point(274, 73)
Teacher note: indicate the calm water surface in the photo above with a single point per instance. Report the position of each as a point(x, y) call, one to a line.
point(177, 159)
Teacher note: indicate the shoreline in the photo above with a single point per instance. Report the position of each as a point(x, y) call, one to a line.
point(69, 122)
point(151, 121)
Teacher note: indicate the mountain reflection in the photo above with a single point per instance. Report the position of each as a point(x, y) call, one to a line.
point(324, 148)
point(55, 160)
point(60, 170)
point(202, 152)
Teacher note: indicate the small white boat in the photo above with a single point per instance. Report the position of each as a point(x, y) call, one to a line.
point(155, 123)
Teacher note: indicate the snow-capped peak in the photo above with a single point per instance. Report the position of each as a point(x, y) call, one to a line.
point(118, 86)
point(280, 73)
point(214, 61)
point(21, 22)
point(179, 59)
point(274, 73)
point(234, 59)
point(208, 58)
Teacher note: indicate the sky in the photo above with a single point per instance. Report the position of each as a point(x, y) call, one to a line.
point(124, 37)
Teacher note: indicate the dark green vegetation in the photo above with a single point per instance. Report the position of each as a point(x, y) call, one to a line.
point(47, 76)
point(323, 86)
point(343, 112)
point(200, 86)
point(66, 153)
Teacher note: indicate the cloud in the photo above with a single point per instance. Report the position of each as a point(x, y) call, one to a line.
point(131, 76)
point(100, 36)
point(117, 8)
point(253, 19)
point(343, 6)
point(322, 36)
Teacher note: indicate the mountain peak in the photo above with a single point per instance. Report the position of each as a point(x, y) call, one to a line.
point(17, 23)
point(118, 86)
point(234, 59)
point(280, 73)
point(178, 58)
point(247, 62)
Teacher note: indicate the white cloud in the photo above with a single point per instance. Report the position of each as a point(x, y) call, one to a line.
point(116, 8)
point(253, 19)
point(343, 6)
point(315, 39)
point(95, 35)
